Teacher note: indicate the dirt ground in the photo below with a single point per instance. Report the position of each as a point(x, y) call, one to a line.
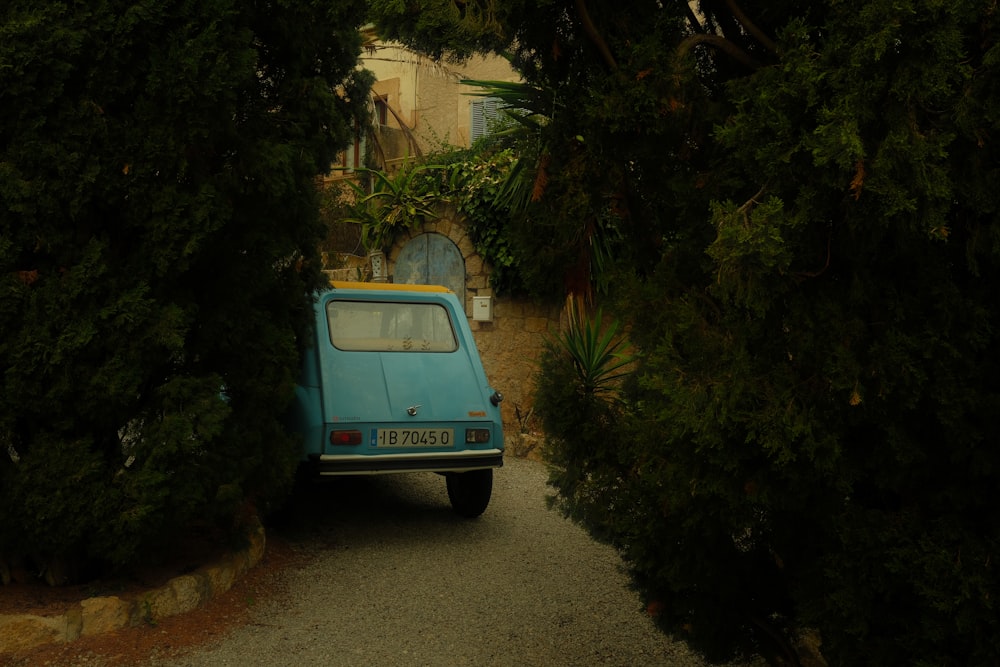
point(132, 647)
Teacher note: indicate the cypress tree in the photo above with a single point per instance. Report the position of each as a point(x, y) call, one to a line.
point(795, 207)
point(158, 233)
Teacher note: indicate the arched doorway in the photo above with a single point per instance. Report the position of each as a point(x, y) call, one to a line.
point(431, 259)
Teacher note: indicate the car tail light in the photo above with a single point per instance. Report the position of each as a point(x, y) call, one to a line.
point(345, 438)
point(477, 435)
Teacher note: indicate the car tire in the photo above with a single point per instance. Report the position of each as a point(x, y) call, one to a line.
point(469, 492)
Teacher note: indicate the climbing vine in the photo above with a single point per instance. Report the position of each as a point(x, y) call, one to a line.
point(479, 187)
point(477, 183)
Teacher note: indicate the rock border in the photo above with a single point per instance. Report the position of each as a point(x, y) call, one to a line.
point(97, 615)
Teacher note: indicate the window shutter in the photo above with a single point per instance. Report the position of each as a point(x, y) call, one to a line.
point(485, 112)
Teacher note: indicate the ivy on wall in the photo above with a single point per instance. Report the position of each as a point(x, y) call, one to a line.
point(479, 187)
point(476, 182)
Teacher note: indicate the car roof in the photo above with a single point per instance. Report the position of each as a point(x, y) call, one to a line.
point(389, 287)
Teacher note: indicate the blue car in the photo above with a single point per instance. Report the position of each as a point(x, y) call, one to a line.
point(393, 383)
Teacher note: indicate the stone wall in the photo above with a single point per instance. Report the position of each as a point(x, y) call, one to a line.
point(21, 632)
point(510, 347)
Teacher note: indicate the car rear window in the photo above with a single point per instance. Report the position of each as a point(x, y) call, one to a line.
point(387, 326)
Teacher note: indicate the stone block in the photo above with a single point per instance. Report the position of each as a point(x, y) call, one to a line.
point(24, 631)
point(536, 324)
point(240, 562)
point(473, 265)
point(465, 247)
point(181, 594)
point(190, 591)
point(258, 543)
point(508, 308)
point(220, 577)
point(476, 284)
point(73, 624)
point(104, 614)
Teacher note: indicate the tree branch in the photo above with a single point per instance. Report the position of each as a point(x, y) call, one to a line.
point(595, 37)
point(750, 203)
point(693, 20)
point(722, 44)
point(751, 27)
point(407, 132)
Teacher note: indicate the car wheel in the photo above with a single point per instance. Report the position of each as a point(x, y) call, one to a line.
point(469, 492)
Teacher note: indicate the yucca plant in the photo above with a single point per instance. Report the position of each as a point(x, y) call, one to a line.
point(600, 356)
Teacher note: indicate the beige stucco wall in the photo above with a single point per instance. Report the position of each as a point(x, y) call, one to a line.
point(427, 95)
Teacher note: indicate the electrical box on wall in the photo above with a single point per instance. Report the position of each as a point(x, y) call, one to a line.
point(482, 309)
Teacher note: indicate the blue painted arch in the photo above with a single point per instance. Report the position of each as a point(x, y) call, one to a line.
point(431, 259)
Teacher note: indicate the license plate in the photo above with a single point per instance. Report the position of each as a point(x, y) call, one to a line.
point(413, 437)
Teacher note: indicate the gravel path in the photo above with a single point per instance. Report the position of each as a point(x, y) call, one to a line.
point(399, 580)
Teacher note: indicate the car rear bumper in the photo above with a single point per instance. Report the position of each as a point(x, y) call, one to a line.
point(376, 464)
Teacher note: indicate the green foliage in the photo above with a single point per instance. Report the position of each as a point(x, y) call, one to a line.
point(158, 233)
point(443, 28)
point(751, 252)
point(803, 211)
point(477, 182)
point(587, 434)
point(480, 184)
point(392, 204)
point(523, 104)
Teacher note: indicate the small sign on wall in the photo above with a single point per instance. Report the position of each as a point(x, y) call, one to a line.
point(482, 309)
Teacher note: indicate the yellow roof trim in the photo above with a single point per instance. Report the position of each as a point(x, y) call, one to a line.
point(392, 287)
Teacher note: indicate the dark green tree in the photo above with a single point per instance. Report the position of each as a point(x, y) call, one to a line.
point(806, 197)
point(158, 233)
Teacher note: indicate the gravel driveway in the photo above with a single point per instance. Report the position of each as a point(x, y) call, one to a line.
point(394, 578)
